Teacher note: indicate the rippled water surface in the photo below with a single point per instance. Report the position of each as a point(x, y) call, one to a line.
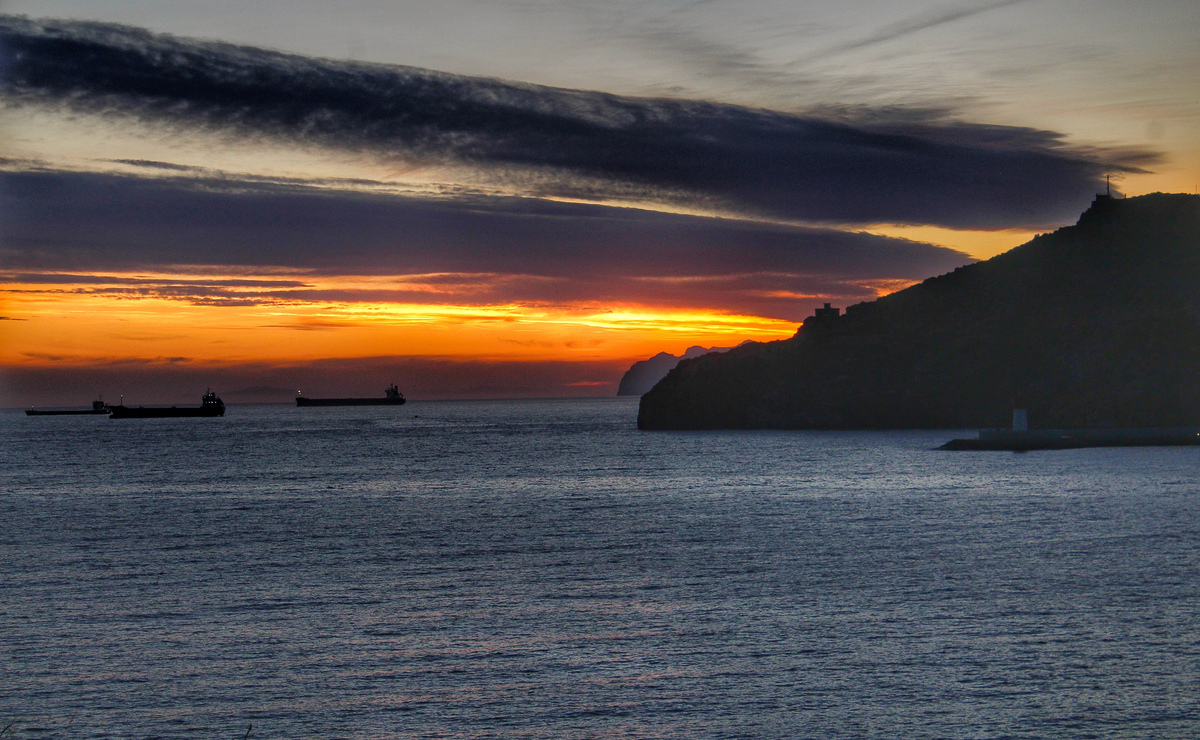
point(544, 570)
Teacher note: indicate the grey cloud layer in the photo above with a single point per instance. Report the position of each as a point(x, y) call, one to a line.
point(527, 249)
point(905, 169)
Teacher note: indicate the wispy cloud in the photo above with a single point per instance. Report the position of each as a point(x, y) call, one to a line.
point(59, 278)
point(918, 23)
point(571, 143)
point(787, 296)
point(154, 165)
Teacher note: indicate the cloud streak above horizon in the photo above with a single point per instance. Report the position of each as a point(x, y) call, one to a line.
point(470, 250)
point(879, 166)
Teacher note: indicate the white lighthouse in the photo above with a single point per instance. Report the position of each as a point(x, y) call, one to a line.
point(1020, 416)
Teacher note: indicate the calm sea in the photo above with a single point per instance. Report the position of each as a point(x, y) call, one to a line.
point(541, 569)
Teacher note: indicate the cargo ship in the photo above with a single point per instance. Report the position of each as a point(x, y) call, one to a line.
point(391, 397)
point(98, 407)
point(210, 405)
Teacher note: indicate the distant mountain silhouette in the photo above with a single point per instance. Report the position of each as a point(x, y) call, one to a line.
point(641, 376)
point(1093, 325)
point(261, 394)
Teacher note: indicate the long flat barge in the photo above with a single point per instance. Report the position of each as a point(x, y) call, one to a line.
point(392, 397)
point(210, 406)
point(98, 407)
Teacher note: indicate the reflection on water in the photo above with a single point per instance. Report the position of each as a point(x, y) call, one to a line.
point(543, 570)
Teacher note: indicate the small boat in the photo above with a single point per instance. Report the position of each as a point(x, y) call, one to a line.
point(210, 405)
point(391, 397)
point(98, 407)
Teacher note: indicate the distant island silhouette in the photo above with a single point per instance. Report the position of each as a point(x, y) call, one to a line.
point(642, 375)
point(1094, 325)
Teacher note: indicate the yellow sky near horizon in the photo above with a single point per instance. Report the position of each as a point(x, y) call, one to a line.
point(56, 325)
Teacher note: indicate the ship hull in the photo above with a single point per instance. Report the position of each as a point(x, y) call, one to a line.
point(64, 412)
point(302, 401)
point(1070, 439)
point(140, 412)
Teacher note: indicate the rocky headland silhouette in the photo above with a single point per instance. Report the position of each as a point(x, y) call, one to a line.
point(1093, 325)
point(643, 374)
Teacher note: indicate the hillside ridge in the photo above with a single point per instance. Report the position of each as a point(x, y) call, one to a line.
point(1092, 325)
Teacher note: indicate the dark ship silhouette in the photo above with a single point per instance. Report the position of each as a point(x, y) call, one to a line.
point(98, 407)
point(210, 405)
point(392, 397)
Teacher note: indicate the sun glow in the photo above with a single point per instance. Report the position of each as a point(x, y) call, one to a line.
point(286, 318)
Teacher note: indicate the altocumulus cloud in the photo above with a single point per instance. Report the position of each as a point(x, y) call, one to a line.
point(878, 167)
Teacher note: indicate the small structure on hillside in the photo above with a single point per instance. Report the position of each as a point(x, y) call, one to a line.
point(824, 316)
point(1107, 195)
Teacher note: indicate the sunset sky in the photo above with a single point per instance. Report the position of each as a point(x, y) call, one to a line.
point(521, 198)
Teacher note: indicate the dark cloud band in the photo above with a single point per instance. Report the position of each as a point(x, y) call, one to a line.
point(88, 221)
point(877, 168)
point(516, 249)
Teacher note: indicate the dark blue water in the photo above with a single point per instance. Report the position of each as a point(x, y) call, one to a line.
point(543, 570)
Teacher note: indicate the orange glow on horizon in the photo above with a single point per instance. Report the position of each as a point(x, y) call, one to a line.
point(169, 319)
